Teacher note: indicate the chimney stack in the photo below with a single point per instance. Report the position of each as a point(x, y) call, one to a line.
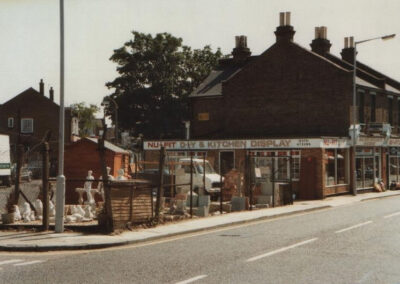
point(241, 52)
point(348, 50)
point(51, 92)
point(284, 32)
point(320, 43)
point(41, 87)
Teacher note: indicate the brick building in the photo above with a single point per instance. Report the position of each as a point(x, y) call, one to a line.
point(83, 155)
point(37, 114)
point(296, 103)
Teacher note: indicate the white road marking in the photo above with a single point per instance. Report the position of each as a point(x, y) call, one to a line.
point(10, 261)
point(192, 279)
point(353, 227)
point(392, 215)
point(280, 250)
point(29, 262)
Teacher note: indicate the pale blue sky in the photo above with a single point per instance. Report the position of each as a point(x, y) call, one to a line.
point(29, 34)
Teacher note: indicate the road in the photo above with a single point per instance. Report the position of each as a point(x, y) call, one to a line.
point(358, 243)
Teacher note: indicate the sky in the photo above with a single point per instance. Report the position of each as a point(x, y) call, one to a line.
point(30, 35)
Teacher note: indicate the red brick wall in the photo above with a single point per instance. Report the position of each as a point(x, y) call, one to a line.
point(286, 91)
point(82, 156)
point(45, 114)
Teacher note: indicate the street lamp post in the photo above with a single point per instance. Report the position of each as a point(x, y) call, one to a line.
point(386, 37)
point(60, 190)
point(106, 102)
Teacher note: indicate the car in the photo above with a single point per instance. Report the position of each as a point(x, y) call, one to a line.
point(26, 174)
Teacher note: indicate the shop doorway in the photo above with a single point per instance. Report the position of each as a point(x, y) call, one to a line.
point(368, 165)
point(226, 161)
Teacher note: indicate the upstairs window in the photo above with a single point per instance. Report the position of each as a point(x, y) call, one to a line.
point(373, 107)
point(10, 122)
point(390, 110)
point(360, 103)
point(26, 125)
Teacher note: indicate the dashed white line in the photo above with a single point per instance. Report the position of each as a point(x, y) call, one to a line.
point(392, 215)
point(280, 250)
point(353, 227)
point(29, 262)
point(10, 261)
point(192, 279)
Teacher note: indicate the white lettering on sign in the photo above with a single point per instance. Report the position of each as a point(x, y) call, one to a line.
point(248, 144)
point(270, 143)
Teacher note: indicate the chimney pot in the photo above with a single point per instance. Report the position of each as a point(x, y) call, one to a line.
point(241, 51)
point(348, 50)
point(284, 32)
point(321, 44)
point(41, 87)
point(51, 94)
point(351, 41)
point(287, 15)
point(281, 19)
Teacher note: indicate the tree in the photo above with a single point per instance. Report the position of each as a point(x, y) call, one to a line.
point(156, 76)
point(86, 117)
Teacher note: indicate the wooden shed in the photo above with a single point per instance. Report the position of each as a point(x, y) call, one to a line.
point(82, 156)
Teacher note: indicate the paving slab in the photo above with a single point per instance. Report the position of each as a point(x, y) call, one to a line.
point(49, 241)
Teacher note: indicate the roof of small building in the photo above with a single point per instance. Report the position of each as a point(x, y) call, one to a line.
point(109, 146)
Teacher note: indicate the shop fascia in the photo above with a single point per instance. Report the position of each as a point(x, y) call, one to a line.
point(249, 144)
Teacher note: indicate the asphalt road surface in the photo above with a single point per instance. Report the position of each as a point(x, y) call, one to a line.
point(358, 243)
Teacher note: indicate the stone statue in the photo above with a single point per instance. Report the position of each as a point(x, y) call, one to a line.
point(39, 208)
point(121, 176)
point(27, 212)
point(100, 186)
point(88, 187)
point(88, 212)
point(17, 213)
point(52, 209)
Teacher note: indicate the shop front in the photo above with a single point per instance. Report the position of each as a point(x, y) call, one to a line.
point(315, 167)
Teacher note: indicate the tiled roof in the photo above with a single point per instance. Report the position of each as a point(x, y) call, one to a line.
point(109, 146)
point(212, 85)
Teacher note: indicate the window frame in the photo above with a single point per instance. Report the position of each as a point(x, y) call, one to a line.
point(10, 119)
point(22, 125)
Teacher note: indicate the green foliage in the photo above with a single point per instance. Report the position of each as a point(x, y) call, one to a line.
point(86, 117)
point(156, 75)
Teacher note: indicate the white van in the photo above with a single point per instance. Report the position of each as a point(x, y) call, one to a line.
point(5, 160)
point(212, 178)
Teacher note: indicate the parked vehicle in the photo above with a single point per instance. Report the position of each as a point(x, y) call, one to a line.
point(203, 175)
point(178, 174)
point(26, 173)
point(5, 160)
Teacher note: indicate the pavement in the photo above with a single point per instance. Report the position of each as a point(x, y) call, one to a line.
point(50, 241)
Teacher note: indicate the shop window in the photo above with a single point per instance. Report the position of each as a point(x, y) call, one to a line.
point(335, 166)
point(341, 166)
point(279, 162)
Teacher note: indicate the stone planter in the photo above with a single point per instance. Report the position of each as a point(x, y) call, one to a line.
point(7, 218)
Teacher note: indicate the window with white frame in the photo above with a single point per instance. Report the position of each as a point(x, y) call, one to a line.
point(335, 166)
point(10, 122)
point(281, 160)
point(27, 125)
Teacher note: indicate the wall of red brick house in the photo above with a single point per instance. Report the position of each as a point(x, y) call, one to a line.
point(45, 114)
point(212, 127)
point(288, 92)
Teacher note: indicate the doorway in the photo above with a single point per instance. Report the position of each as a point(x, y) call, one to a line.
point(226, 161)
